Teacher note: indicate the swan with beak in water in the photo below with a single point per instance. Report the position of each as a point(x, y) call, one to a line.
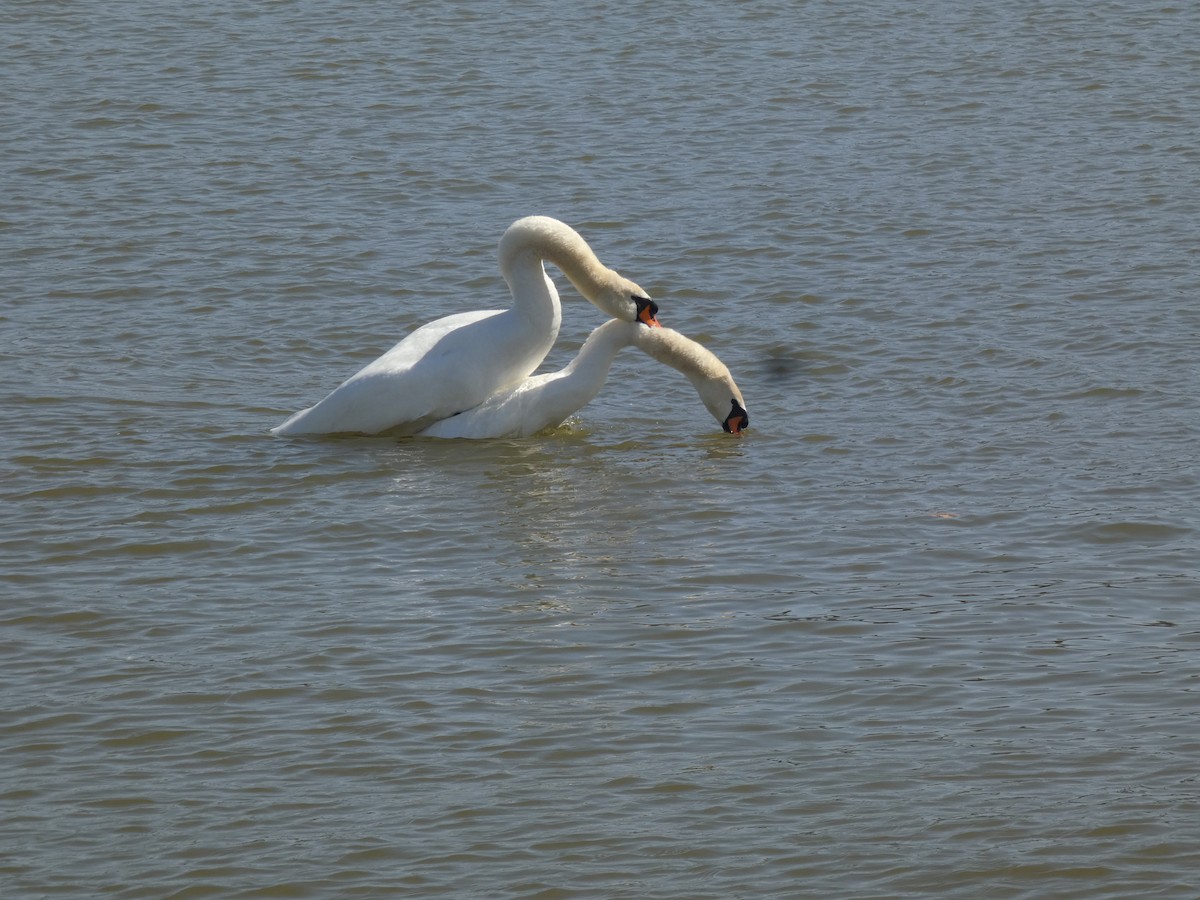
point(543, 401)
point(456, 362)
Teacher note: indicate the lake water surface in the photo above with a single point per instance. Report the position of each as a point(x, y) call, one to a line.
point(930, 628)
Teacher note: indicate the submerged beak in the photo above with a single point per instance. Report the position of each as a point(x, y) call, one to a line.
point(737, 420)
point(647, 312)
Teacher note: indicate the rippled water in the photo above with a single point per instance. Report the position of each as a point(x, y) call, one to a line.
point(930, 627)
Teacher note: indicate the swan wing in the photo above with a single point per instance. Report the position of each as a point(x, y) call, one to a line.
point(518, 411)
point(442, 368)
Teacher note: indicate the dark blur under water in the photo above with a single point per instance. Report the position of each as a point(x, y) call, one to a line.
point(929, 628)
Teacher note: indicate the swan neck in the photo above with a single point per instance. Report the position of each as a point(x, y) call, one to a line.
point(670, 347)
point(585, 375)
point(533, 291)
point(708, 375)
point(538, 238)
point(596, 355)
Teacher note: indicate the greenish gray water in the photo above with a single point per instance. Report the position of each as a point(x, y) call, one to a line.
point(929, 628)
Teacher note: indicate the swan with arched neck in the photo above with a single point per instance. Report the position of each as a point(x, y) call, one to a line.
point(455, 363)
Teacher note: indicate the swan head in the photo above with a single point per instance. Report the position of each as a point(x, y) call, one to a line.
point(647, 312)
point(738, 419)
point(622, 299)
point(559, 243)
point(722, 399)
point(709, 376)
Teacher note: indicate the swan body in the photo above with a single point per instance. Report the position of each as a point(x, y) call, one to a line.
point(544, 401)
point(456, 362)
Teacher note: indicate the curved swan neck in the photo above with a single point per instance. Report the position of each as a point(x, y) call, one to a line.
point(537, 238)
point(670, 347)
point(591, 364)
point(565, 391)
point(708, 375)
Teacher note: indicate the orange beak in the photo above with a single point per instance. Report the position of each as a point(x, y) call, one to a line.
point(647, 313)
point(737, 419)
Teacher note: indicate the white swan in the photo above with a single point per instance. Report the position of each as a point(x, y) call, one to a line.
point(456, 362)
point(544, 401)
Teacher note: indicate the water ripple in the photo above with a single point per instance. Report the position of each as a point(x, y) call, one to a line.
point(926, 628)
